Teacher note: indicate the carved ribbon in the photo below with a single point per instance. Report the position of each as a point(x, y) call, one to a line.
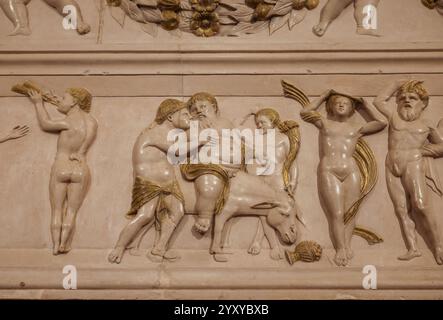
point(144, 191)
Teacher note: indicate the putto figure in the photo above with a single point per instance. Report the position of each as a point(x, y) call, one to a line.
point(70, 176)
point(409, 174)
point(17, 13)
point(211, 180)
point(284, 178)
point(363, 14)
point(156, 195)
point(347, 169)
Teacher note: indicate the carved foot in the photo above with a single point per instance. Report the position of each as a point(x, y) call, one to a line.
point(255, 248)
point(221, 257)
point(116, 255)
point(21, 31)
point(64, 249)
point(55, 250)
point(277, 253)
point(171, 255)
point(202, 225)
point(321, 28)
point(349, 253)
point(83, 28)
point(154, 257)
point(411, 254)
point(367, 32)
point(137, 252)
point(340, 258)
point(438, 254)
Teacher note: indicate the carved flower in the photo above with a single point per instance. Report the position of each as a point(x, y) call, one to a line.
point(114, 3)
point(261, 11)
point(205, 24)
point(312, 4)
point(170, 20)
point(300, 4)
point(172, 5)
point(204, 5)
point(431, 4)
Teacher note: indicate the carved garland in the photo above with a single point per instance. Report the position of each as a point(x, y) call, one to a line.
point(207, 18)
point(434, 4)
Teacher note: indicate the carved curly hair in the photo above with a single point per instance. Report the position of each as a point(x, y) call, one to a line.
point(82, 97)
point(415, 86)
point(203, 96)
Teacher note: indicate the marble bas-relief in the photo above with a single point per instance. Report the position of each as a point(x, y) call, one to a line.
point(156, 195)
point(223, 191)
point(207, 18)
point(70, 176)
point(16, 11)
point(16, 133)
point(410, 176)
point(341, 179)
point(285, 176)
point(362, 15)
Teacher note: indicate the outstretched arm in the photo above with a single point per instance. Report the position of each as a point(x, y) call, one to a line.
point(313, 106)
point(376, 124)
point(381, 101)
point(16, 133)
point(46, 123)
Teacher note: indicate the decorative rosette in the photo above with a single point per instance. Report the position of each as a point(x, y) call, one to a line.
point(205, 24)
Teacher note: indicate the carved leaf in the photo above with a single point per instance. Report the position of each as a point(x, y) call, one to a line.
point(185, 5)
point(296, 17)
point(226, 20)
point(232, 3)
point(119, 15)
point(281, 8)
point(132, 10)
point(247, 27)
point(152, 15)
point(278, 22)
point(148, 3)
point(176, 33)
point(242, 13)
point(151, 29)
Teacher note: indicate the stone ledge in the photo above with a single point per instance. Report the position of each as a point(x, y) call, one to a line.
point(39, 270)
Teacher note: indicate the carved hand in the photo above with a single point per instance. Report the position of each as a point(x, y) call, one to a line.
point(18, 132)
point(77, 157)
point(35, 97)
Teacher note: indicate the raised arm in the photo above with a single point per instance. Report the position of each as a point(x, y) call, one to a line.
point(306, 113)
point(46, 123)
point(376, 124)
point(381, 101)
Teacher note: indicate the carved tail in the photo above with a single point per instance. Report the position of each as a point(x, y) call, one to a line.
point(366, 163)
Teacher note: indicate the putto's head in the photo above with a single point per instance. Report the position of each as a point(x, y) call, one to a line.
point(75, 97)
point(175, 112)
point(340, 106)
point(267, 119)
point(412, 98)
point(203, 105)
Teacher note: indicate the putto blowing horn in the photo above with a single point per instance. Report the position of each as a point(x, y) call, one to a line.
point(26, 87)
